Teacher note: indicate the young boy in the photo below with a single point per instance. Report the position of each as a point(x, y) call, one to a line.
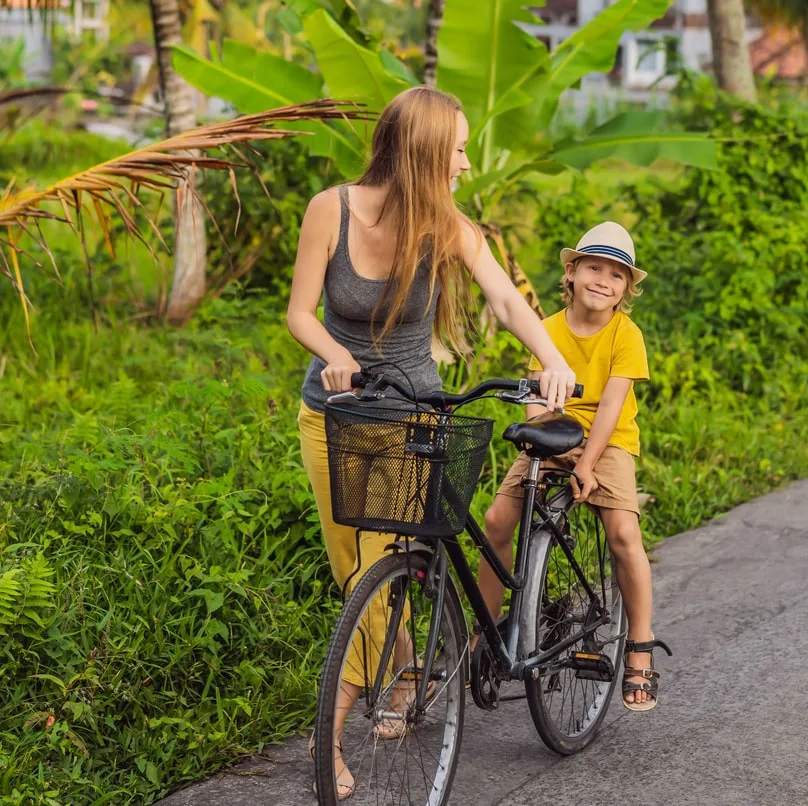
point(607, 353)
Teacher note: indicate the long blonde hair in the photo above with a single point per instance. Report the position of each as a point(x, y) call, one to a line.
point(412, 151)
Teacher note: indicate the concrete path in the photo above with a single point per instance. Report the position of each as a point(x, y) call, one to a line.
point(732, 725)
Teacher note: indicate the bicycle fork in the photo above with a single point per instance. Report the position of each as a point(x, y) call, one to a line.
point(434, 581)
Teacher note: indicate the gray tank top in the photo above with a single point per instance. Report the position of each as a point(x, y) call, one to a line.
point(349, 303)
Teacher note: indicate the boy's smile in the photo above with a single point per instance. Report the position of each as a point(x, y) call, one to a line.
point(598, 283)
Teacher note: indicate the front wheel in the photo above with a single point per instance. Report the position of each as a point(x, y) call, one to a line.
point(395, 752)
point(567, 705)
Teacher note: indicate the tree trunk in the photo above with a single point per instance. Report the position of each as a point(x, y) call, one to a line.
point(434, 17)
point(190, 243)
point(730, 52)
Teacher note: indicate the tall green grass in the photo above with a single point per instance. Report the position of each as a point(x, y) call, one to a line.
point(152, 494)
point(152, 477)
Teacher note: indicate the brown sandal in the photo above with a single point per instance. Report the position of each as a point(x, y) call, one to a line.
point(344, 789)
point(395, 727)
point(650, 683)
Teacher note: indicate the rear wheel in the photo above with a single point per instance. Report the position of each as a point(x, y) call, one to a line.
point(567, 705)
point(396, 753)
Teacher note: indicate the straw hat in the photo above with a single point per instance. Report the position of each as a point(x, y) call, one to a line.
point(607, 240)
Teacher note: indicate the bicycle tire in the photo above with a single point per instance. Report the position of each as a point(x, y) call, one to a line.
point(553, 605)
point(383, 769)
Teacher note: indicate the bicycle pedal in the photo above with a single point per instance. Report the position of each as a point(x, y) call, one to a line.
point(591, 666)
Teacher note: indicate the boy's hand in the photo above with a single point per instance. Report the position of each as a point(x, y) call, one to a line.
point(588, 483)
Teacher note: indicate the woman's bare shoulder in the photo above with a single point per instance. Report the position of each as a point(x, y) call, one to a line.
point(471, 237)
point(326, 201)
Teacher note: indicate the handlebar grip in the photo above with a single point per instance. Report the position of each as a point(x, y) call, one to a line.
point(578, 391)
point(359, 380)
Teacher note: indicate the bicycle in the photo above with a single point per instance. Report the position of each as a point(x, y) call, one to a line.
point(564, 633)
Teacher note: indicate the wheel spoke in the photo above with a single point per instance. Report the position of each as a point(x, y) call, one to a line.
point(416, 764)
point(566, 707)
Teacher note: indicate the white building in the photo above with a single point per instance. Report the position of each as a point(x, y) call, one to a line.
point(17, 21)
point(643, 58)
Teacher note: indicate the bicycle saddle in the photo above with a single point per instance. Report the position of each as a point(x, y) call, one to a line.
point(554, 434)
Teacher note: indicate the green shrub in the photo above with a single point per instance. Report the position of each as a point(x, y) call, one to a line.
point(268, 223)
point(731, 243)
point(164, 595)
point(45, 153)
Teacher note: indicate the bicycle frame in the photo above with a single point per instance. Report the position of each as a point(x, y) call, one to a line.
point(509, 666)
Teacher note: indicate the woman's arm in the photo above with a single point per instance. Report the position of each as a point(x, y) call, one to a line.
point(313, 251)
point(513, 311)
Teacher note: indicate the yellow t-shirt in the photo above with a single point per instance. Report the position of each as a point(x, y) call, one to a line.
point(617, 349)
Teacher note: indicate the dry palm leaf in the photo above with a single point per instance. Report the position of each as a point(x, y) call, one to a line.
point(517, 274)
point(114, 187)
point(488, 324)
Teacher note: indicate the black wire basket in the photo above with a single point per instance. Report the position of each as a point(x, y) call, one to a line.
point(403, 471)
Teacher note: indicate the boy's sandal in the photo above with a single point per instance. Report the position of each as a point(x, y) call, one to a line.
point(395, 727)
point(345, 781)
point(650, 683)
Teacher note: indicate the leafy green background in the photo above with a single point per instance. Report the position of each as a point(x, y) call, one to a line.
point(164, 594)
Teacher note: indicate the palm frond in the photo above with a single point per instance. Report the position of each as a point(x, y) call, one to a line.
point(781, 12)
point(114, 188)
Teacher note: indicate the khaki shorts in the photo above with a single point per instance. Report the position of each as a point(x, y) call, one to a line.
point(614, 472)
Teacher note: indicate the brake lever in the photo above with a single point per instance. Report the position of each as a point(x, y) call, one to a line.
point(341, 396)
point(515, 397)
point(363, 395)
point(519, 395)
point(520, 399)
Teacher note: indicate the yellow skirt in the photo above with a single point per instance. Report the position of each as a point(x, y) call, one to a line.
point(341, 546)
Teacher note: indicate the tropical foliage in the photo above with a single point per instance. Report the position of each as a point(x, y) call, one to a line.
point(165, 597)
point(509, 84)
point(152, 476)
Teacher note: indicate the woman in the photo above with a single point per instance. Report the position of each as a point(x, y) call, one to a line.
point(395, 259)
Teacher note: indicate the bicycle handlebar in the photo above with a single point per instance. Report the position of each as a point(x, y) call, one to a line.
point(443, 400)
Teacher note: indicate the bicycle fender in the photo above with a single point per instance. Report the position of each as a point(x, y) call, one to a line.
point(410, 545)
point(541, 543)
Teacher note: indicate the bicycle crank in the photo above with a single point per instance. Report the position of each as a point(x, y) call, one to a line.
point(484, 681)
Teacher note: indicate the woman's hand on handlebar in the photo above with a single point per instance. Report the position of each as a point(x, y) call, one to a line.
point(336, 376)
point(557, 385)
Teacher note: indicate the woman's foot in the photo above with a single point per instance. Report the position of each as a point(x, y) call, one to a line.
point(401, 699)
point(344, 779)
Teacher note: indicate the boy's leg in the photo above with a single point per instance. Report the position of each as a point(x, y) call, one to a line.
point(616, 502)
point(633, 573)
point(501, 521)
